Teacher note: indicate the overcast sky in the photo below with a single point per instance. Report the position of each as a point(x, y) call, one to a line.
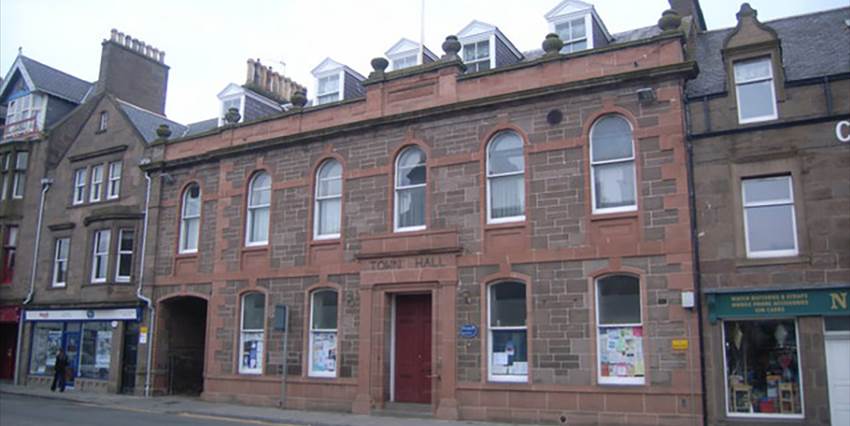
point(208, 41)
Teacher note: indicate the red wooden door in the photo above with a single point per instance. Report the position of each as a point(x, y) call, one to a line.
point(413, 348)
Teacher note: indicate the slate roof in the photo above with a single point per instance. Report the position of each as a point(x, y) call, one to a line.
point(813, 45)
point(623, 37)
point(146, 122)
point(55, 82)
point(200, 127)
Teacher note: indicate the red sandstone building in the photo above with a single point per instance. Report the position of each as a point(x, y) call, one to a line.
point(490, 234)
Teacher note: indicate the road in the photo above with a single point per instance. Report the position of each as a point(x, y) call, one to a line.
point(18, 410)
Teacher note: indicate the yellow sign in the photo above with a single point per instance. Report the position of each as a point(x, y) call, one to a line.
point(143, 329)
point(680, 344)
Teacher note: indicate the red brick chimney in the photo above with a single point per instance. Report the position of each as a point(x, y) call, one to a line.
point(263, 79)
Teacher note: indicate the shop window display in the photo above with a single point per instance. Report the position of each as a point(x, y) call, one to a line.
point(253, 333)
point(620, 331)
point(508, 351)
point(96, 351)
point(762, 368)
point(46, 341)
point(323, 333)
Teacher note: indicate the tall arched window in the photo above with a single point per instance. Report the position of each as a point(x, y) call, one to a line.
point(505, 178)
point(507, 348)
point(190, 219)
point(259, 200)
point(410, 181)
point(612, 165)
point(252, 333)
point(328, 200)
point(620, 330)
point(323, 333)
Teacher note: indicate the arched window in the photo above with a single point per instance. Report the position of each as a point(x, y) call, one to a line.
point(505, 178)
point(507, 347)
point(620, 330)
point(252, 333)
point(612, 165)
point(410, 180)
point(323, 333)
point(259, 200)
point(328, 200)
point(190, 219)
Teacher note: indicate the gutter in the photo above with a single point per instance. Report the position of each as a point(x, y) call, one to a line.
point(139, 294)
point(45, 186)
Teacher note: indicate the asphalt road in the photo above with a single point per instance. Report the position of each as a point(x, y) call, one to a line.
point(18, 410)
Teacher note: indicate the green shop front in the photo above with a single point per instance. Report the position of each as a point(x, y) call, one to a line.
point(100, 345)
point(780, 354)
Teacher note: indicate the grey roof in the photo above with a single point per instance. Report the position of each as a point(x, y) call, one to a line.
point(623, 37)
point(55, 82)
point(813, 45)
point(200, 127)
point(146, 122)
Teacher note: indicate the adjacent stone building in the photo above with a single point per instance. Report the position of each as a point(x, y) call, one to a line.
point(509, 244)
point(772, 198)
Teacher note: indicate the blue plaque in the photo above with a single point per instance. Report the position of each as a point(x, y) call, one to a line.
point(468, 331)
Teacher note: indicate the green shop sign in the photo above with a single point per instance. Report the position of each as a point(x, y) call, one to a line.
point(784, 303)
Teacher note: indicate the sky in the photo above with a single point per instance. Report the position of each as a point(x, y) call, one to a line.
point(207, 42)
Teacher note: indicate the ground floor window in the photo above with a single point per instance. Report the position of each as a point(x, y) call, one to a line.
point(96, 354)
point(46, 341)
point(621, 359)
point(252, 333)
point(508, 333)
point(762, 368)
point(323, 333)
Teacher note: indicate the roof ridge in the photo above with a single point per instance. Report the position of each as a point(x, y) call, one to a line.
point(55, 69)
point(785, 18)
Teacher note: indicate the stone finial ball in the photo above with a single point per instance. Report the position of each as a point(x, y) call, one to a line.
point(451, 46)
point(380, 64)
point(552, 43)
point(670, 20)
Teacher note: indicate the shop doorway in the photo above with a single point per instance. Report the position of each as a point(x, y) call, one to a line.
point(183, 329)
point(72, 350)
point(8, 338)
point(412, 349)
point(837, 342)
point(131, 352)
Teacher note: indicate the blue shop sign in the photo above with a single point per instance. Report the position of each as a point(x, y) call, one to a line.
point(468, 331)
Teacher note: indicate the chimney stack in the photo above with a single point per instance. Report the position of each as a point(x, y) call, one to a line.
point(269, 82)
point(689, 8)
point(133, 71)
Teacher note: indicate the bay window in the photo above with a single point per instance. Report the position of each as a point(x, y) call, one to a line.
point(100, 255)
point(252, 333)
point(326, 224)
point(124, 267)
point(507, 349)
point(259, 203)
point(505, 178)
point(323, 333)
point(612, 165)
point(410, 184)
point(620, 331)
point(190, 219)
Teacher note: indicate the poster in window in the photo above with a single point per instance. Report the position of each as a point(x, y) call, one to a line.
point(104, 349)
point(251, 351)
point(622, 352)
point(54, 342)
point(324, 352)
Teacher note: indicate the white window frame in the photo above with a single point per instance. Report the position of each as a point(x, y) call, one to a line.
point(20, 174)
point(490, 177)
point(314, 330)
point(340, 92)
point(568, 43)
point(490, 328)
point(243, 331)
point(122, 253)
point(789, 201)
point(769, 77)
point(627, 381)
point(406, 61)
point(321, 200)
point(186, 220)
point(7, 160)
point(623, 160)
point(61, 263)
point(103, 255)
point(491, 52)
point(113, 190)
point(253, 208)
point(800, 375)
point(241, 98)
point(96, 186)
point(399, 189)
point(103, 122)
point(80, 176)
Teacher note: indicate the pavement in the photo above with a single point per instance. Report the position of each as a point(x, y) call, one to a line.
point(195, 407)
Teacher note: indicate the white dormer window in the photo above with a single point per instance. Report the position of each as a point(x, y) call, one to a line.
point(329, 89)
point(476, 56)
point(573, 33)
point(405, 54)
point(226, 104)
point(404, 62)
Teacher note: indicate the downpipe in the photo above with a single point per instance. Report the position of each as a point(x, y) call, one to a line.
point(45, 186)
point(141, 295)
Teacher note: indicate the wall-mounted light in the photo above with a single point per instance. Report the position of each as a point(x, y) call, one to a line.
point(646, 95)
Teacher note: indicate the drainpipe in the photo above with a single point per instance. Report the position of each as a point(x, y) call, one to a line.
point(139, 293)
point(45, 186)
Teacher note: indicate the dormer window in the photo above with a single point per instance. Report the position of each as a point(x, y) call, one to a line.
point(476, 56)
point(328, 89)
point(405, 54)
point(227, 103)
point(404, 62)
point(754, 90)
point(574, 35)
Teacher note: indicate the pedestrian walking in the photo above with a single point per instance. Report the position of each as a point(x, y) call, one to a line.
point(59, 368)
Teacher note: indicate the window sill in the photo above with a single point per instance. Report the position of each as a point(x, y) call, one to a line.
point(107, 283)
point(325, 242)
point(186, 255)
point(58, 287)
point(633, 214)
point(255, 248)
point(520, 223)
point(768, 261)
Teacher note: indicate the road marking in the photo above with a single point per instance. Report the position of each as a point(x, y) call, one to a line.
point(234, 420)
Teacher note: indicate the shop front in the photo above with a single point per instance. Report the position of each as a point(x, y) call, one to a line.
point(776, 347)
point(9, 318)
point(92, 340)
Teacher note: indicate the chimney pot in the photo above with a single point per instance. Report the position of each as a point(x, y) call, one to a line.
point(113, 34)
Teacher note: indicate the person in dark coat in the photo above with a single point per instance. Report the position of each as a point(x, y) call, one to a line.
point(59, 368)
